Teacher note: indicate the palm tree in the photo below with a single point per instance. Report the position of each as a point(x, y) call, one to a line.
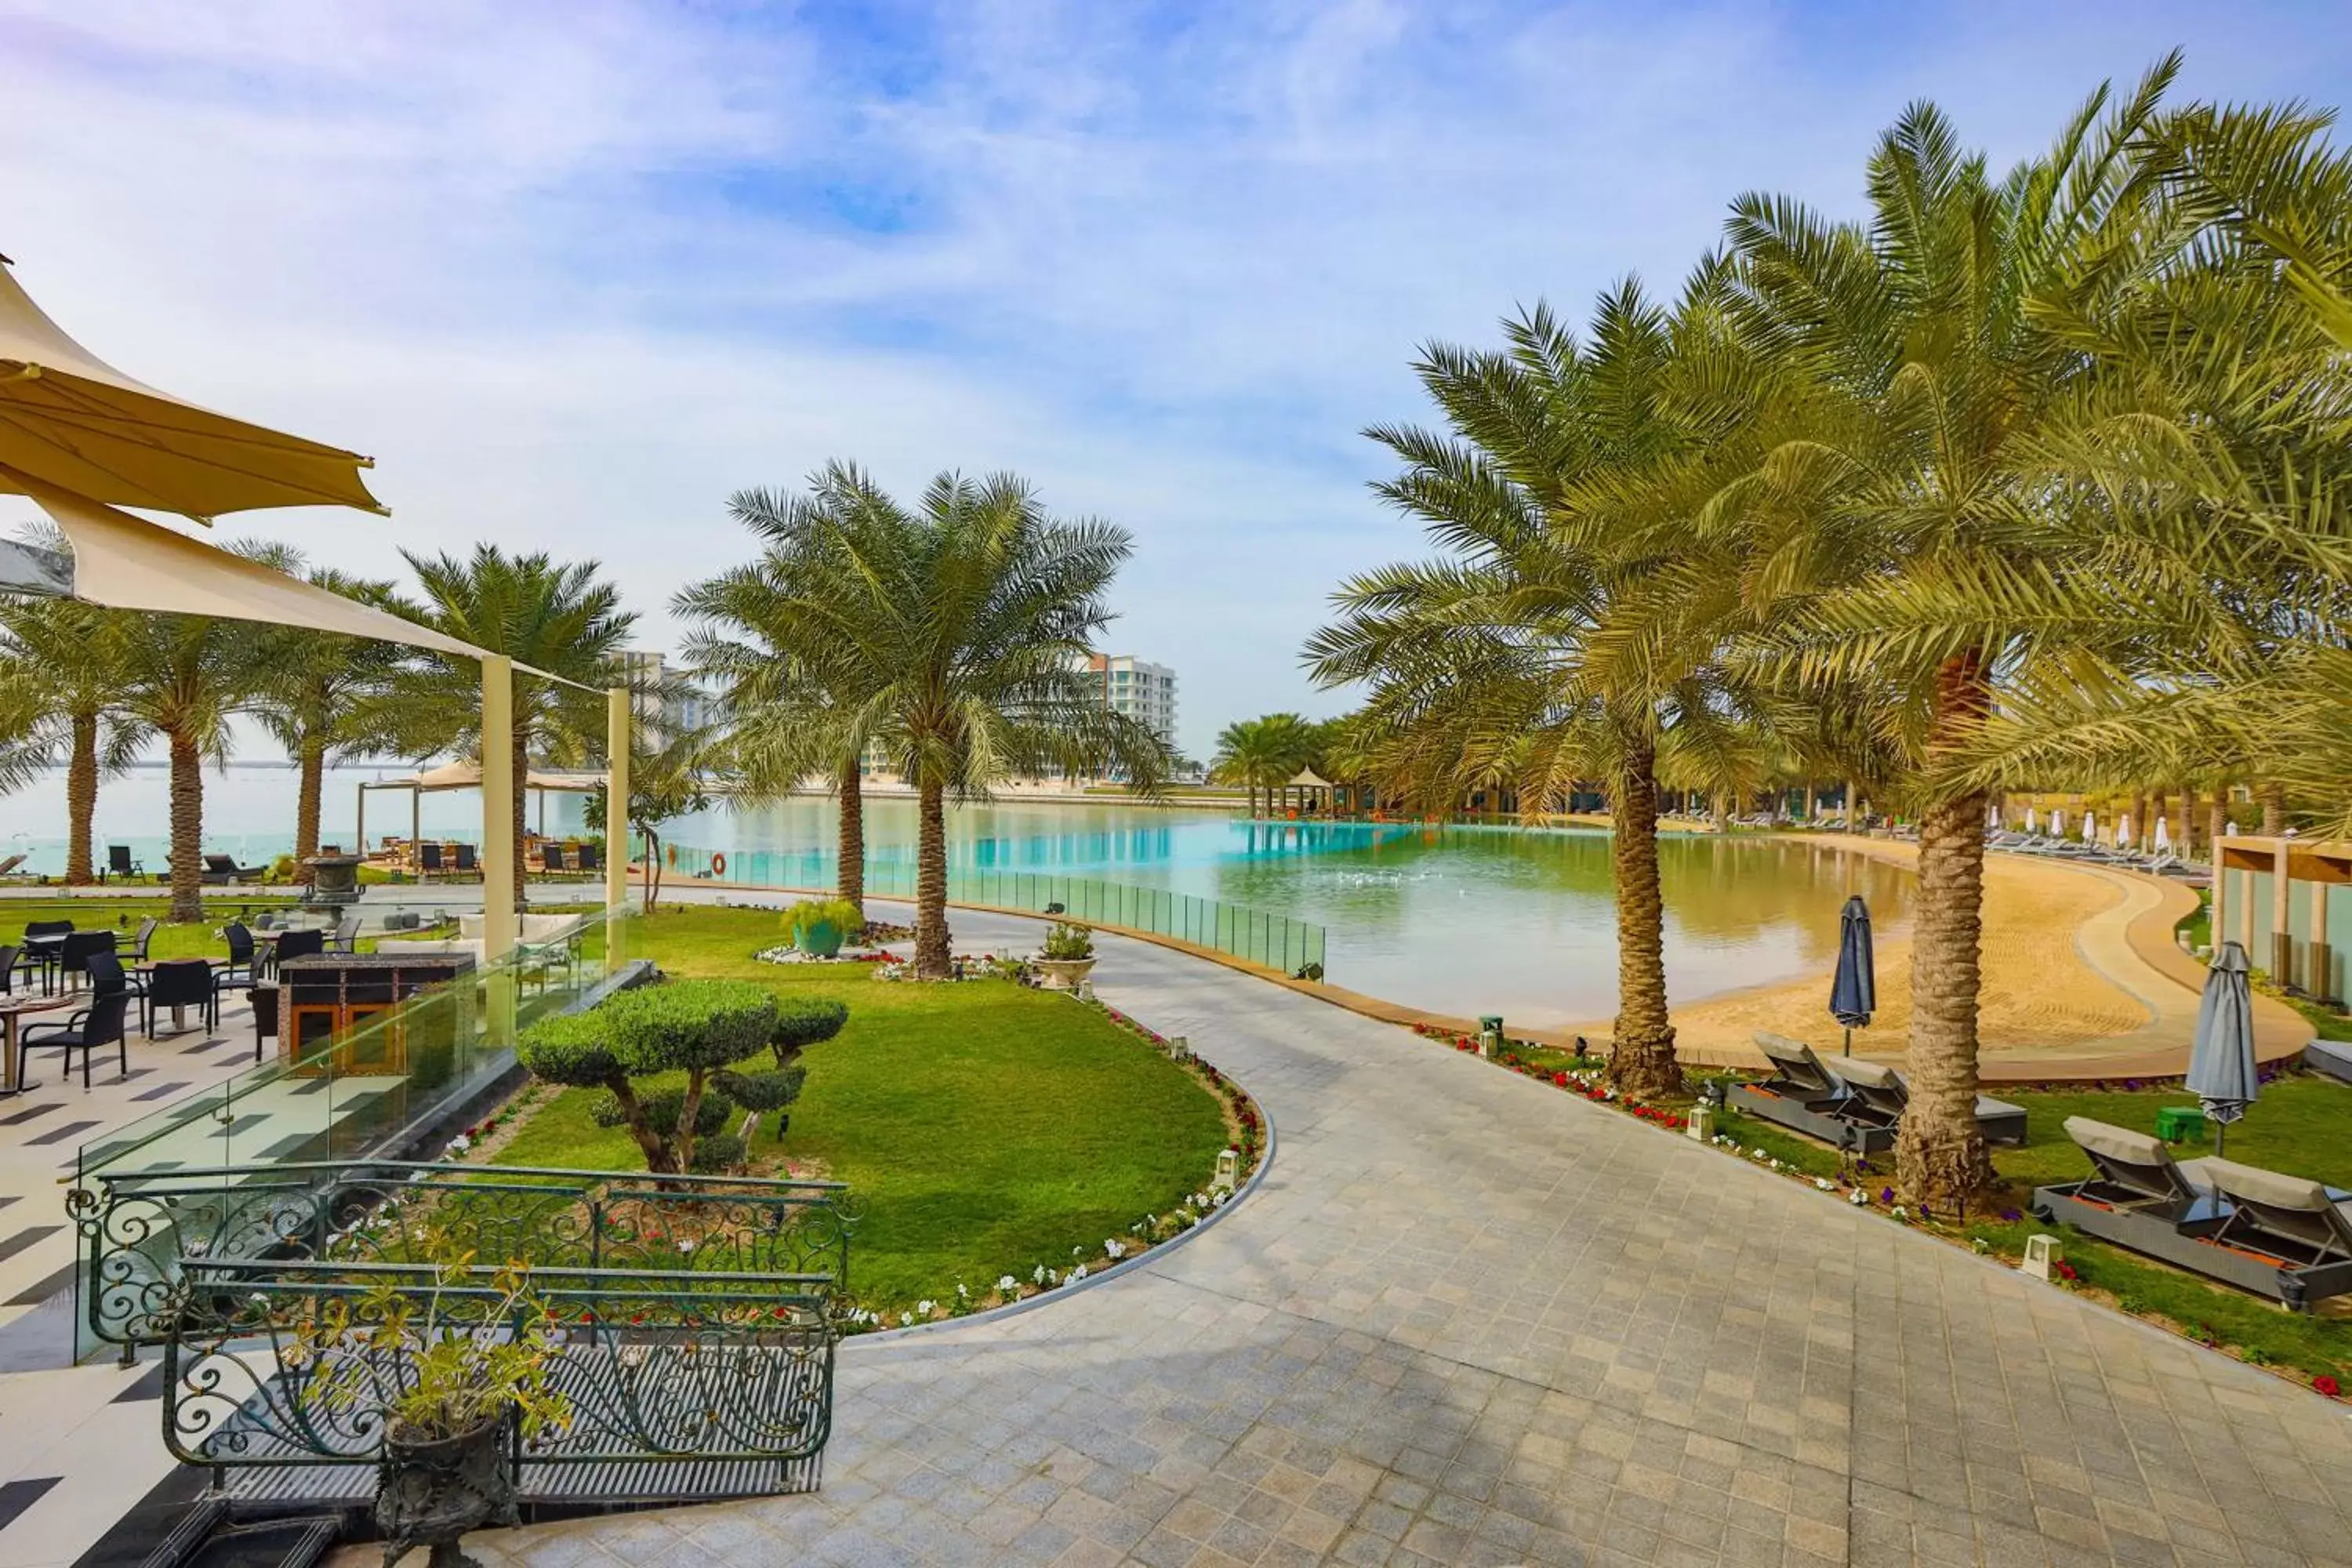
point(321, 694)
point(182, 676)
point(1262, 754)
point(60, 680)
point(1570, 630)
point(2013, 477)
point(966, 621)
point(553, 617)
point(789, 724)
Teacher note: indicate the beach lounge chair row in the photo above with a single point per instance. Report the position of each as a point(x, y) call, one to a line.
point(2278, 1236)
point(1848, 1102)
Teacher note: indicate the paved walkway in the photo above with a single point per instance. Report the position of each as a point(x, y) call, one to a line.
point(1470, 1320)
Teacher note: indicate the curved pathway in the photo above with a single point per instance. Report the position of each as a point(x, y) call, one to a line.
point(1468, 1319)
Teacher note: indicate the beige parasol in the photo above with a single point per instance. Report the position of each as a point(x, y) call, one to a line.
point(69, 419)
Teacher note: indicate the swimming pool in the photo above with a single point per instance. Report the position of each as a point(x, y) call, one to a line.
point(1457, 920)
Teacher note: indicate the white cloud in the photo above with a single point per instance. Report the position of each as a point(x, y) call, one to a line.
point(574, 271)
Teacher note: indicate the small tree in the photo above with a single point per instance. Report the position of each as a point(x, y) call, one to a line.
point(701, 1027)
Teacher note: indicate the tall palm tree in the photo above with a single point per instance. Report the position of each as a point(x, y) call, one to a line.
point(2006, 482)
point(774, 664)
point(553, 616)
point(967, 619)
point(60, 679)
point(321, 694)
point(182, 676)
point(1571, 629)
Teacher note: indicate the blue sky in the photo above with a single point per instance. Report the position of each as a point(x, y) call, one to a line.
point(574, 271)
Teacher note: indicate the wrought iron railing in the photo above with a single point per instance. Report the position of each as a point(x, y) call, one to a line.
point(140, 1230)
point(731, 1372)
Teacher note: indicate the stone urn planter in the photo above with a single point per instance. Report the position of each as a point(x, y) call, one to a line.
point(820, 939)
point(1062, 974)
point(432, 1492)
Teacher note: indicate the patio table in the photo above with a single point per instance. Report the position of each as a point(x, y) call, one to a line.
point(11, 1008)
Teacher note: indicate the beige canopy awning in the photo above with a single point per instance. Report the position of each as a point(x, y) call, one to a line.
point(469, 775)
point(69, 419)
point(1308, 779)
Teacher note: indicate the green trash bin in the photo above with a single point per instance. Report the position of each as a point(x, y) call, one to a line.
point(2180, 1123)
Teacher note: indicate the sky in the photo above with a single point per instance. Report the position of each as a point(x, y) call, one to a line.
point(573, 271)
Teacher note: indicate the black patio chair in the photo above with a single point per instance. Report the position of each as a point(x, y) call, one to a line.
point(307, 943)
point(551, 860)
point(13, 961)
point(74, 956)
point(346, 937)
point(119, 862)
point(180, 982)
point(429, 860)
point(238, 974)
point(465, 861)
point(99, 1024)
point(265, 1016)
point(44, 955)
point(589, 859)
point(138, 943)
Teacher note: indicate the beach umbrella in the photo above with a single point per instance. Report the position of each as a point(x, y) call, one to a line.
point(2231, 829)
point(2163, 835)
point(2057, 822)
point(2090, 827)
point(2033, 820)
point(1853, 992)
point(1992, 815)
point(2221, 1072)
point(2123, 831)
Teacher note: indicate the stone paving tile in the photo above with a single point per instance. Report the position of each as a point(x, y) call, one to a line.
point(1468, 1320)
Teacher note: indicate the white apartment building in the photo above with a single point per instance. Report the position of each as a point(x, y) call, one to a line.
point(1141, 690)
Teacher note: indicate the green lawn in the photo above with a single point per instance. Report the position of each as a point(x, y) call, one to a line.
point(985, 1129)
point(192, 940)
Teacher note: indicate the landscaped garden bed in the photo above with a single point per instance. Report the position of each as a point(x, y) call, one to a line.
point(997, 1140)
point(2301, 1126)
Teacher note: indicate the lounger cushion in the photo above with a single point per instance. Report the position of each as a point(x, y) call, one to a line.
point(2257, 1186)
point(1796, 1062)
point(2119, 1142)
point(2333, 1057)
point(1862, 1074)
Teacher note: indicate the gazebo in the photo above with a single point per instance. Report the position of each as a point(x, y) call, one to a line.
point(469, 775)
point(1313, 784)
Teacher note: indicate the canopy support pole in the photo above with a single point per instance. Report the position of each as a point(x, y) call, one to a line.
point(362, 829)
point(497, 807)
point(616, 800)
point(417, 830)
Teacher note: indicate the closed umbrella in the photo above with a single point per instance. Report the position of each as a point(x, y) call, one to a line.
point(2221, 1072)
point(2124, 831)
point(2058, 822)
point(1853, 992)
point(2163, 835)
point(2090, 827)
point(2033, 820)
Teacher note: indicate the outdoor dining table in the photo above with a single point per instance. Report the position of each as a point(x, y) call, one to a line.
point(49, 948)
point(11, 1008)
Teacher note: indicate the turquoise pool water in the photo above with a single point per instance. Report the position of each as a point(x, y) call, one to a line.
point(1457, 920)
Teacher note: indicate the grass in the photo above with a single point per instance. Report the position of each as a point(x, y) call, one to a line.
point(195, 940)
point(985, 1129)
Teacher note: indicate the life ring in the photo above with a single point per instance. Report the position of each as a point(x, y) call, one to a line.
point(671, 851)
point(719, 864)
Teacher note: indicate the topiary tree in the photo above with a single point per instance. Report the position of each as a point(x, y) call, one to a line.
point(801, 1022)
point(700, 1027)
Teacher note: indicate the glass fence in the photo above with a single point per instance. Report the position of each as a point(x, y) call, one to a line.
point(384, 1053)
point(1274, 941)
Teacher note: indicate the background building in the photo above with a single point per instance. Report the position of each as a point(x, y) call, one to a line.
point(1143, 690)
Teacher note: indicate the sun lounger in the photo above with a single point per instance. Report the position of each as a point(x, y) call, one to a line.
point(1803, 1094)
point(2279, 1237)
point(2333, 1057)
point(1878, 1094)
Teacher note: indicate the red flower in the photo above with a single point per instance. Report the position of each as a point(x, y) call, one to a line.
point(2327, 1385)
point(2066, 1271)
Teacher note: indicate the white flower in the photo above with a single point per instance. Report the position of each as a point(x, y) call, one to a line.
point(1857, 1197)
point(1077, 1274)
point(685, 1244)
point(1007, 1285)
point(1115, 1248)
point(1776, 1164)
point(906, 1320)
point(1825, 1184)
point(1052, 1277)
point(923, 1308)
point(963, 1294)
point(1897, 1212)
point(1038, 1274)
point(460, 1143)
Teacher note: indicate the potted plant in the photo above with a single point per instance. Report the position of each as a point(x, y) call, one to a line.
point(457, 1380)
point(1068, 957)
point(819, 926)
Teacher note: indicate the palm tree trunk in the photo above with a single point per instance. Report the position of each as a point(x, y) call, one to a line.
point(652, 867)
point(2184, 822)
point(521, 823)
point(187, 830)
point(2217, 824)
point(850, 875)
point(1940, 1159)
point(1853, 791)
point(2274, 797)
point(306, 806)
point(81, 800)
point(932, 957)
point(1641, 1062)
